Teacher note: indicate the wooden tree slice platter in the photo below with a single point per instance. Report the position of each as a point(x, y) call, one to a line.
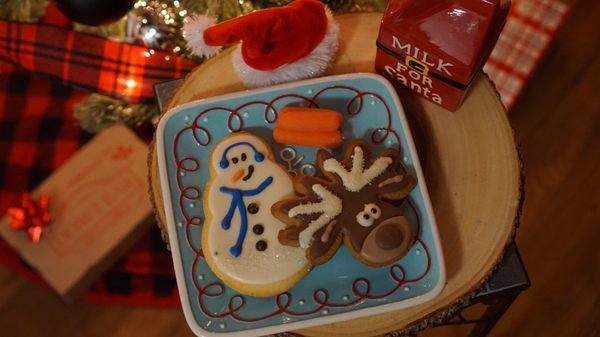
point(470, 162)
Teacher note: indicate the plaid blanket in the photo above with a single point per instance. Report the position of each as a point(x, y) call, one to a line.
point(38, 133)
point(529, 30)
point(89, 62)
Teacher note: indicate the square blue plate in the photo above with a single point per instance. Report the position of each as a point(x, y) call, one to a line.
point(341, 289)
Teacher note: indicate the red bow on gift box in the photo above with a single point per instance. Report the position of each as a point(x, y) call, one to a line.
point(32, 216)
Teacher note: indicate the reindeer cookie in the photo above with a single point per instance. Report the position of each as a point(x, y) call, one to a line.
point(356, 202)
point(240, 235)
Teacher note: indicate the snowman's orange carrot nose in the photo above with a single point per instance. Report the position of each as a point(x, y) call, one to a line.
point(236, 176)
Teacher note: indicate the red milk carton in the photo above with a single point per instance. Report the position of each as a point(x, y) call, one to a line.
point(436, 47)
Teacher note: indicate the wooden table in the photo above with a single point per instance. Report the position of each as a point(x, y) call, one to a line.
point(470, 162)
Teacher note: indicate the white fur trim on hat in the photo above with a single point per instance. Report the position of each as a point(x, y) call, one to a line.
point(312, 65)
point(193, 33)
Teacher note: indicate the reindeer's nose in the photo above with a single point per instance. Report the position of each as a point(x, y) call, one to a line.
point(390, 240)
point(388, 236)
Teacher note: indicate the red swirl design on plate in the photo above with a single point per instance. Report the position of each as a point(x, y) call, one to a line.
point(361, 287)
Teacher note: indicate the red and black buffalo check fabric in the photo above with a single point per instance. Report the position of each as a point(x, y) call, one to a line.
point(89, 62)
point(42, 71)
point(38, 133)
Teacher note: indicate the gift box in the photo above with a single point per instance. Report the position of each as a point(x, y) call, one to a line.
point(95, 207)
point(435, 47)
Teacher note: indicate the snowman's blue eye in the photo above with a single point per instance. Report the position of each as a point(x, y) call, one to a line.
point(243, 157)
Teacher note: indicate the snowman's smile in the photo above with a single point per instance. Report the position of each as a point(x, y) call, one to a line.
point(250, 173)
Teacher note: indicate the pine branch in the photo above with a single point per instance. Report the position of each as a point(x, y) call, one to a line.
point(22, 10)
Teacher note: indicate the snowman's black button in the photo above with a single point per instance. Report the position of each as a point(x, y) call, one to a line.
point(261, 245)
point(253, 208)
point(258, 229)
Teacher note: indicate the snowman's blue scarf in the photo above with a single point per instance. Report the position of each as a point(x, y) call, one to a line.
point(237, 201)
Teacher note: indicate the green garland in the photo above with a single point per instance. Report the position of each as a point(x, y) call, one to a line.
point(97, 112)
point(22, 10)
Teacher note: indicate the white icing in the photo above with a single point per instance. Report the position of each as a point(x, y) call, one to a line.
point(277, 262)
point(329, 207)
point(364, 221)
point(368, 215)
point(357, 178)
point(373, 210)
point(394, 179)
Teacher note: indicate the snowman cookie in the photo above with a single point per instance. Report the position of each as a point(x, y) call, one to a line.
point(240, 235)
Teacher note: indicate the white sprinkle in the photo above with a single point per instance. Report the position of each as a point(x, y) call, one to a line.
point(246, 114)
point(301, 302)
point(325, 312)
point(345, 298)
point(186, 118)
point(389, 142)
point(418, 252)
point(406, 288)
point(205, 119)
point(179, 223)
point(405, 159)
point(201, 277)
point(182, 173)
point(222, 325)
point(192, 205)
point(309, 91)
point(373, 103)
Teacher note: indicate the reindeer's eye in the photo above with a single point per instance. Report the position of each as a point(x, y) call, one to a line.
point(364, 219)
point(373, 209)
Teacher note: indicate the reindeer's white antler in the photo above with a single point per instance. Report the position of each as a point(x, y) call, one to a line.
point(358, 177)
point(330, 206)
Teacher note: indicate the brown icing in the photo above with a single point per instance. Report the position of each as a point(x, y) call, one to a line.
point(387, 237)
point(389, 240)
point(386, 190)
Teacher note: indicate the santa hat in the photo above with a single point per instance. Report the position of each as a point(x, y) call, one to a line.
point(278, 45)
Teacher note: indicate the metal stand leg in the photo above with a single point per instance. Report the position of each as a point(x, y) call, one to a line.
point(497, 294)
point(497, 306)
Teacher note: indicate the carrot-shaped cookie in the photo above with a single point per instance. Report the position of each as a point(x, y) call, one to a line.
point(328, 140)
point(309, 127)
point(308, 119)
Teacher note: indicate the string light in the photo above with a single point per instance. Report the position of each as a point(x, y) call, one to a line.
point(130, 83)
